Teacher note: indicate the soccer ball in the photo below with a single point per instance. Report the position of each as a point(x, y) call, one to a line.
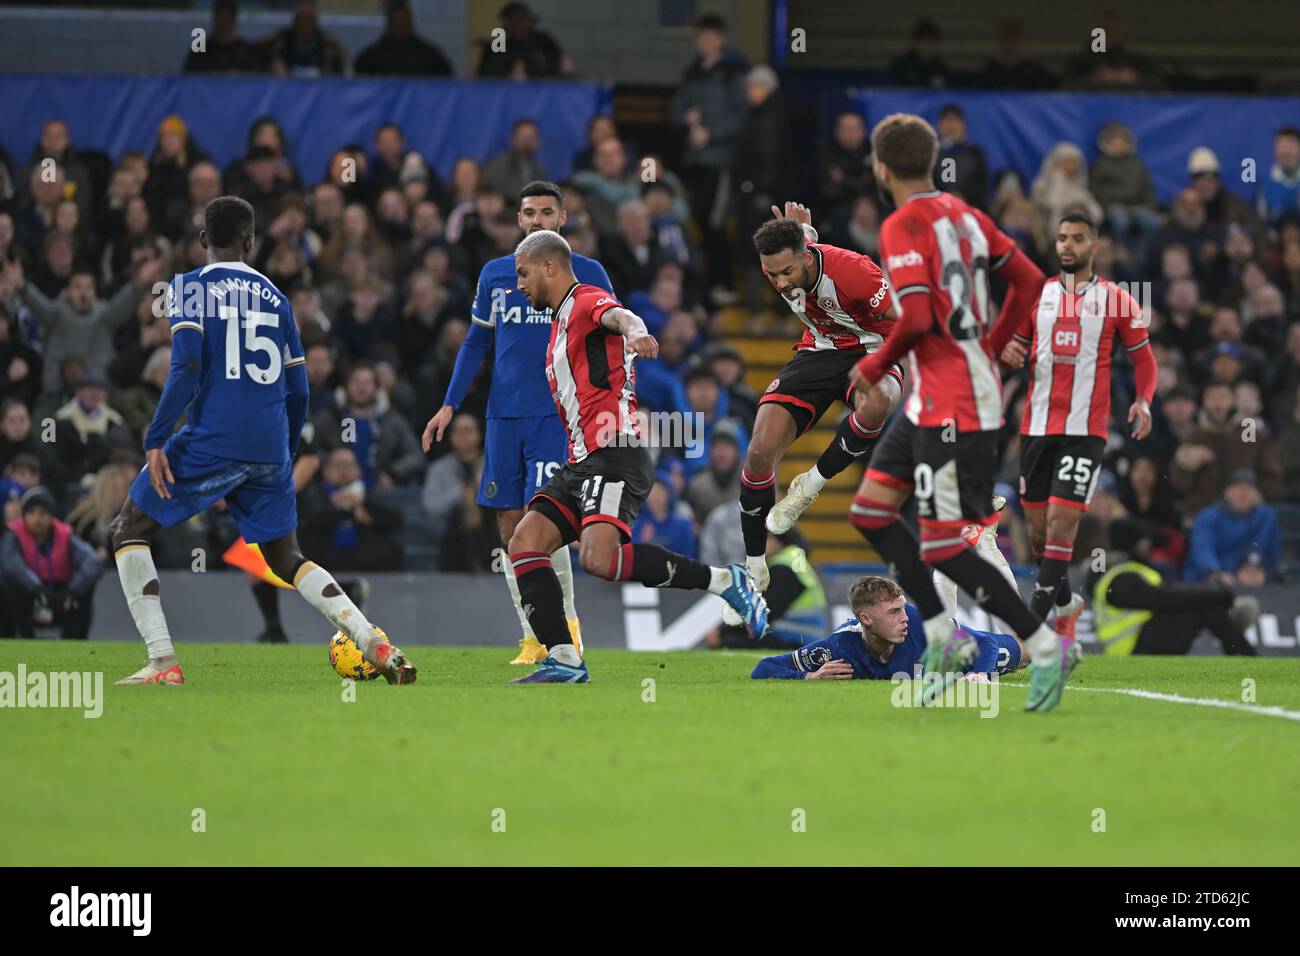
point(347, 659)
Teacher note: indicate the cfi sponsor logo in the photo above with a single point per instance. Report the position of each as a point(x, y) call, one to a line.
point(134, 910)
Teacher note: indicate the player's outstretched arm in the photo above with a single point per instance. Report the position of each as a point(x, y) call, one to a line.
point(468, 361)
point(629, 325)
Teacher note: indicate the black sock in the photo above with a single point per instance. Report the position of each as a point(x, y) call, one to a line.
point(1051, 575)
point(657, 567)
point(994, 593)
point(757, 497)
point(899, 547)
point(267, 597)
point(849, 445)
point(542, 598)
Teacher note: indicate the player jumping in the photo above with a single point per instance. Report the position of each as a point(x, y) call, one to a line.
point(595, 497)
point(939, 253)
point(525, 438)
point(843, 301)
point(1070, 337)
point(237, 373)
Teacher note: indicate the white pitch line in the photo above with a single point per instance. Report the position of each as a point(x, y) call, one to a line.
point(1179, 699)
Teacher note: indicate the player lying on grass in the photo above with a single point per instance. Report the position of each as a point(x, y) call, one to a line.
point(886, 635)
point(237, 373)
point(596, 496)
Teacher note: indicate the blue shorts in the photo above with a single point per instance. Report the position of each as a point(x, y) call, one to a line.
point(519, 456)
point(260, 495)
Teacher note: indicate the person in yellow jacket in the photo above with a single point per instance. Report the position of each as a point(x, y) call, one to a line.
point(796, 601)
point(1136, 611)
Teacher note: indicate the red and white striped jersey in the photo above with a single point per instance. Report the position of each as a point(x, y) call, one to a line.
point(1070, 336)
point(844, 308)
point(936, 245)
point(590, 373)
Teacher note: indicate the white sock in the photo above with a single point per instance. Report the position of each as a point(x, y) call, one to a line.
point(312, 581)
point(513, 584)
point(135, 569)
point(815, 479)
point(939, 628)
point(1044, 644)
point(562, 562)
point(566, 654)
point(720, 580)
point(757, 568)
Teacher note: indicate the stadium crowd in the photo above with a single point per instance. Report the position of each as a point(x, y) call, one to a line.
point(381, 255)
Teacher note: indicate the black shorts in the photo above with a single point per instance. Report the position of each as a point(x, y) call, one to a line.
point(611, 484)
point(949, 471)
point(813, 380)
point(1059, 470)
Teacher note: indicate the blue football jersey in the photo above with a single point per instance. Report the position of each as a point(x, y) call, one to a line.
point(996, 653)
point(249, 339)
point(522, 333)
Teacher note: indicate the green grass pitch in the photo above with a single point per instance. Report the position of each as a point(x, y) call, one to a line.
point(714, 771)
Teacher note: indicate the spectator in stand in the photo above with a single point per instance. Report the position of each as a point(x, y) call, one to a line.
point(93, 515)
point(340, 524)
point(524, 53)
point(320, 380)
point(47, 573)
point(203, 185)
point(365, 321)
point(1280, 192)
point(19, 476)
point(20, 364)
point(702, 402)
point(1188, 226)
point(658, 379)
point(1147, 497)
point(710, 108)
point(1228, 356)
point(920, 64)
point(17, 438)
point(673, 241)
point(599, 128)
point(167, 189)
point(79, 323)
point(87, 430)
point(327, 204)
point(383, 441)
point(302, 49)
point(844, 166)
point(1010, 69)
point(607, 185)
point(961, 167)
point(659, 523)
point(1062, 186)
point(421, 320)
point(74, 178)
point(761, 172)
point(729, 366)
point(720, 481)
point(137, 404)
point(1219, 444)
point(1222, 205)
point(224, 51)
point(267, 131)
point(393, 165)
point(448, 478)
point(629, 255)
point(471, 543)
point(859, 230)
point(1284, 376)
point(1239, 532)
point(254, 179)
point(515, 167)
point(1121, 184)
point(358, 231)
point(1268, 325)
point(400, 51)
point(1288, 452)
